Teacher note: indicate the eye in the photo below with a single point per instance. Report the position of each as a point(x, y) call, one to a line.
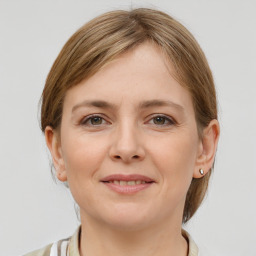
point(162, 120)
point(94, 120)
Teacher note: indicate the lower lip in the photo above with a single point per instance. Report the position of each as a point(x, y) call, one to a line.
point(127, 189)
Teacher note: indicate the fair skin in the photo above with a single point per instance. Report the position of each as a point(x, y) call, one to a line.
point(143, 125)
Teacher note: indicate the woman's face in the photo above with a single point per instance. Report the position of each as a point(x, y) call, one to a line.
point(129, 145)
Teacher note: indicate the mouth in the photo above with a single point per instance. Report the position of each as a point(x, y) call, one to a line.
point(127, 184)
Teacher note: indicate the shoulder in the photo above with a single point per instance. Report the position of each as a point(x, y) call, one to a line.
point(60, 247)
point(193, 248)
point(56, 249)
point(45, 251)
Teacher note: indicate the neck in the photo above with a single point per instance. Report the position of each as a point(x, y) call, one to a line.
point(159, 240)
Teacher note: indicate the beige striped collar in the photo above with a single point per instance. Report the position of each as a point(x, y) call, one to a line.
point(73, 249)
point(74, 244)
point(193, 249)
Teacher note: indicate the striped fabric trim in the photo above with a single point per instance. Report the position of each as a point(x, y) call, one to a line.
point(193, 249)
point(69, 246)
point(60, 248)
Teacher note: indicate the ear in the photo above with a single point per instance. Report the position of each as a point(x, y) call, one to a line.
point(207, 148)
point(52, 138)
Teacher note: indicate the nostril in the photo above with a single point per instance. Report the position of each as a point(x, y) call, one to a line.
point(126, 158)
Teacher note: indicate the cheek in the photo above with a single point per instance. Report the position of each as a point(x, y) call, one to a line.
point(82, 156)
point(175, 158)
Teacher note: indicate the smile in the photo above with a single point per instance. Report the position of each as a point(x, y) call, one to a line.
point(127, 184)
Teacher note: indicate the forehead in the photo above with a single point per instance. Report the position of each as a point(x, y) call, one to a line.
point(142, 73)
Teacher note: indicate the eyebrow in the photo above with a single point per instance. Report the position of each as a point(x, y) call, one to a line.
point(160, 103)
point(143, 105)
point(95, 103)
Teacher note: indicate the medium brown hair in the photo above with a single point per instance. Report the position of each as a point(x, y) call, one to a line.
point(108, 36)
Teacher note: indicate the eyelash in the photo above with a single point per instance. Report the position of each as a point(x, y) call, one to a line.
point(170, 121)
point(90, 118)
point(84, 121)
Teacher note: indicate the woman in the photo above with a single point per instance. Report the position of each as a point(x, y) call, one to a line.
point(130, 118)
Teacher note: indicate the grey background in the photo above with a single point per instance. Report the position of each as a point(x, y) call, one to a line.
point(34, 211)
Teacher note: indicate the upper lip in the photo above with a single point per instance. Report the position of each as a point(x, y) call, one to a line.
point(123, 177)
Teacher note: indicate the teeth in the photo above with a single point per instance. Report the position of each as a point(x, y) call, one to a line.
point(123, 183)
point(128, 183)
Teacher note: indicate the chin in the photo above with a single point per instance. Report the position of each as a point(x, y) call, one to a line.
point(128, 224)
point(128, 218)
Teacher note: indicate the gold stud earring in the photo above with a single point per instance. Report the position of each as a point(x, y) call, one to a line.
point(201, 171)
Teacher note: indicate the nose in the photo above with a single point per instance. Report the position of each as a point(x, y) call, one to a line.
point(127, 145)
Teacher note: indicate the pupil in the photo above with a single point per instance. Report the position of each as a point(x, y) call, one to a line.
point(96, 120)
point(159, 120)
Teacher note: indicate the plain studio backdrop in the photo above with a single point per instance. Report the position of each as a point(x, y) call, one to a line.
point(34, 210)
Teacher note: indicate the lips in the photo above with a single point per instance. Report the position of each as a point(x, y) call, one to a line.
point(127, 178)
point(127, 184)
